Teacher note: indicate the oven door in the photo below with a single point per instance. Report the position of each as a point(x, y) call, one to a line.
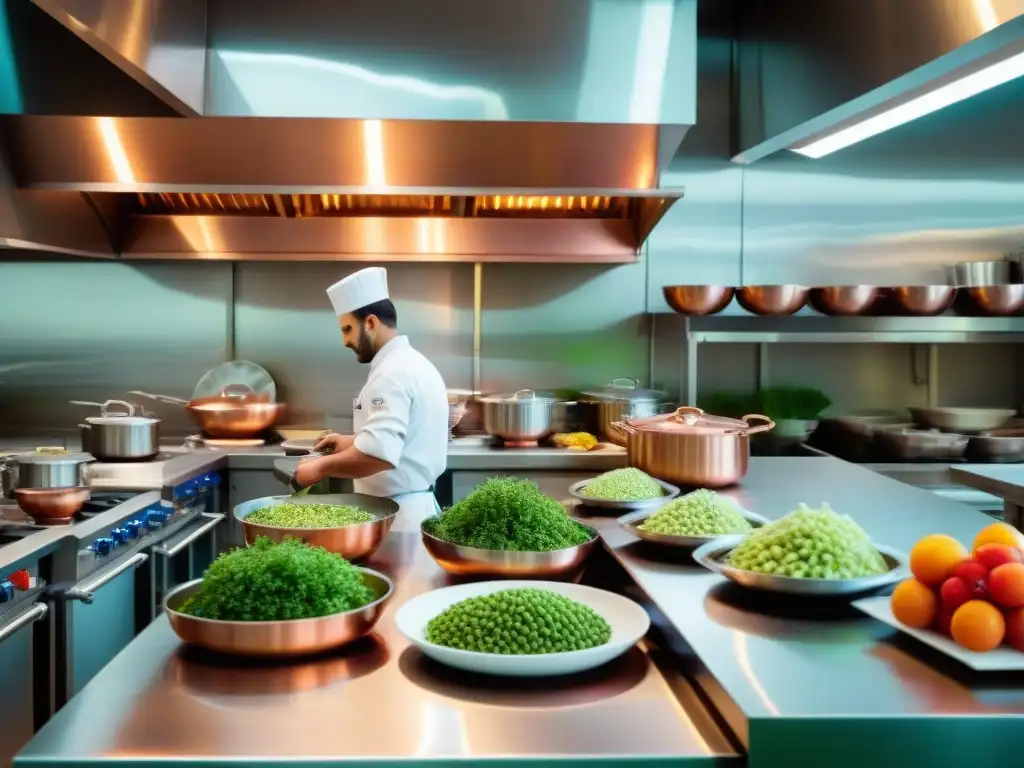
point(186, 555)
point(24, 675)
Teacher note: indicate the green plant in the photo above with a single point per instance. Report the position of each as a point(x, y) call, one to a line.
point(278, 582)
point(288, 515)
point(507, 513)
point(519, 621)
point(801, 403)
point(626, 484)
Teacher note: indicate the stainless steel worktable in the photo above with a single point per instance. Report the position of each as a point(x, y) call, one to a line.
point(844, 689)
point(379, 702)
point(1003, 480)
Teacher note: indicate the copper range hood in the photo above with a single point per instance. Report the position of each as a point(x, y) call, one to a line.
point(532, 131)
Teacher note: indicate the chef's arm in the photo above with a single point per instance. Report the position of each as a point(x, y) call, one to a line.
point(350, 463)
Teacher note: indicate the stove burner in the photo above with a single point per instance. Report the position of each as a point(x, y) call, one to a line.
point(102, 501)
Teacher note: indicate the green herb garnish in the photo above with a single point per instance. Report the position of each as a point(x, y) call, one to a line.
point(627, 484)
point(510, 514)
point(288, 515)
point(278, 582)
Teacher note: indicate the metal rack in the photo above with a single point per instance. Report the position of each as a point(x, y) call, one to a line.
point(804, 329)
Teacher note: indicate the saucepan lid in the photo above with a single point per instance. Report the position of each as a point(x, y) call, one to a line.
point(624, 390)
point(524, 396)
point(689, 420)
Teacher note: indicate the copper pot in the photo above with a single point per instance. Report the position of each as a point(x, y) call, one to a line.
point(691, 448)
point(237, 412)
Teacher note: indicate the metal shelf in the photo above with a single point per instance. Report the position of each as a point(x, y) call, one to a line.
point(945, 329)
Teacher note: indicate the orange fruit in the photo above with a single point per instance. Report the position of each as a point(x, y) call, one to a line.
point(934, 557)
point(1006, 585)
point(914, 604)
point(978, 626)
point(999, 533)
point(1015, 628)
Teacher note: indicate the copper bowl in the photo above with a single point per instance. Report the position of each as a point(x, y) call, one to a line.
point(924, 300)
point(494, 563)
point(999, 300)
point(844, 299)
point(698, 300)
point(51, 505)
point(297, 637)
point(772, 299)
point(233, 420)
point(350, 541)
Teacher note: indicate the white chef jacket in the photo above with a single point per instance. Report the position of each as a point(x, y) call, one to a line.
point(401, 417)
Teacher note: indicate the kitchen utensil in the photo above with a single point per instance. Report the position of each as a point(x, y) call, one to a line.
point(919, 445)
point(522, 416)
point(493, 563)
point(233, 373)
point(924, 300)
point(629, 623)
point(350, 541)
point(634, 520)
point(298, 637)
point(977, 273)
point(237, 412)
point(698, 300)
point(691, 448)
point(576, 491)
point(300, 446)
point(114, 436)
point(772, 299)
point(961, 420)
point(844, 299)
point(997, 300)
point(50, 470)
point(715, 553)
point(997, 446)
point(622, 400)
point(51, 505)
point(1004, 659)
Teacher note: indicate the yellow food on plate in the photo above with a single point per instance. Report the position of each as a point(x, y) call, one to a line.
point(575, 441)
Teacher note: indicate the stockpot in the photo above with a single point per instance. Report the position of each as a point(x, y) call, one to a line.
point(692, 448)
point(49, 470)
point(524, 416)
point(124, 436)
point(622, 400)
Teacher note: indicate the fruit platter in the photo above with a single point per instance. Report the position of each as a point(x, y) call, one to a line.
point(807, 552)
point(967, 603)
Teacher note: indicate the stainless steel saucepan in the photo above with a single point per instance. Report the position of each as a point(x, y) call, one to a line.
point(116, 436)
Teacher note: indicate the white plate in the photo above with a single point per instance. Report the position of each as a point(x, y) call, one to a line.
point(1003, 659)
point(632, 521)
point(629, 623)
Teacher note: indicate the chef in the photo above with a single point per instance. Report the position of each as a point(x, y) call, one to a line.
point(400, 443)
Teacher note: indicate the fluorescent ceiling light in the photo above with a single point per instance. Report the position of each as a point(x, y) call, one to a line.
point(932, 101)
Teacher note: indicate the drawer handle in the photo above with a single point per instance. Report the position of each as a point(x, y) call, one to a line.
point(198, 533)
point(32, 615)
point(85, 594)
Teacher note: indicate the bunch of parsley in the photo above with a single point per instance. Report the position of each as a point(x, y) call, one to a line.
point(509, 514)
point(278, 582)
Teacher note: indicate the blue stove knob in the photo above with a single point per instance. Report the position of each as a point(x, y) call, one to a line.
point(155, 518)
point(134, 528)
point(103, 546)
point(6, 591)
point(119, 535)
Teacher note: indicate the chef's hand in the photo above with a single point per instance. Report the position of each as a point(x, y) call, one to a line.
point(332, 443)
point(307, 473)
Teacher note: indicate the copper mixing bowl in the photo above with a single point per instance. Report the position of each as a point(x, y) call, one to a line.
point(297, 637)
point(924, 300)
point(844, 299)
point(494, 563)
point(772, 299)
point(999, 300)
point(51, 505)
point(698, 300)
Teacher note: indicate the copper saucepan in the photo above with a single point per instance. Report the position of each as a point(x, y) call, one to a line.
point(691, 448)
point(236, 412)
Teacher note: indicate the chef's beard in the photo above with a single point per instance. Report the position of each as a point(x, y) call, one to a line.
point(364, 347)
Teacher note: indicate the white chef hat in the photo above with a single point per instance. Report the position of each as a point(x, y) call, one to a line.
point(358, 290)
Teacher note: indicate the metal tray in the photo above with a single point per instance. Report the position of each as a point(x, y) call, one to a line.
point(713, 554)
point(494, 563)
point(622, 506)
point(1002, 659)
point(632, 521)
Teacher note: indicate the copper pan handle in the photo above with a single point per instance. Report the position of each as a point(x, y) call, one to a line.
point(753, 430)
point(160, 398)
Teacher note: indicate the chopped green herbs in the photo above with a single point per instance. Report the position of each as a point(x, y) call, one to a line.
point(288, 515)
point(627, 484)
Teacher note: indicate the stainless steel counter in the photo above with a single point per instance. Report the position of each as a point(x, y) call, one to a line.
point(379, 701)
point(804, 672)
point(1003, 480)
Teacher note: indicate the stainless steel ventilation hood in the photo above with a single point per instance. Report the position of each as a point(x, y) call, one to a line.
point(386, 130)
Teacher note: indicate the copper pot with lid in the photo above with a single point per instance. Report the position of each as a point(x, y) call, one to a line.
point(692, 448)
